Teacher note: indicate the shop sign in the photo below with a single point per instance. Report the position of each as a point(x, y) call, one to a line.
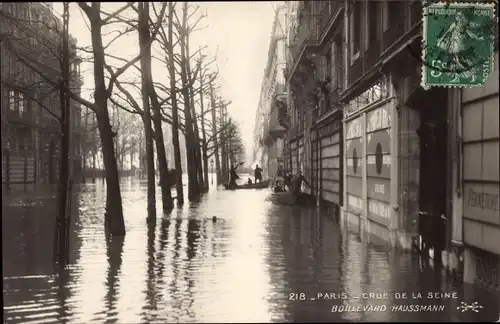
point(355, 202)
point(379, 209)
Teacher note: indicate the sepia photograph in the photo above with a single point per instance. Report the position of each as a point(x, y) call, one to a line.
point(250, 161)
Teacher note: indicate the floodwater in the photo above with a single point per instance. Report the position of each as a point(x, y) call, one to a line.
point(253, 264)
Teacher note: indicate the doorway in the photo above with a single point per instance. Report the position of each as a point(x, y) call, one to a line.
point(432, 106)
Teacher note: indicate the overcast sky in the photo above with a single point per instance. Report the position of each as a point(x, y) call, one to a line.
point(241, 32)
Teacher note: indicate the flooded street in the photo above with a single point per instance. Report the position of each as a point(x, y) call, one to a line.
point(246, 266)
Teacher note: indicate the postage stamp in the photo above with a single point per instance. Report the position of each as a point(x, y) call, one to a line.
point(457, 44)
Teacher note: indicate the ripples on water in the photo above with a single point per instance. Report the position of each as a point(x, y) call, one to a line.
point(187, 268)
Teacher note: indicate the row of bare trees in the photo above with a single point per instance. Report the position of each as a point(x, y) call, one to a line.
point(185, 100)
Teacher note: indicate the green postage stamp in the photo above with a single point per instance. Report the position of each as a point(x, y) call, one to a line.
point(457, 43)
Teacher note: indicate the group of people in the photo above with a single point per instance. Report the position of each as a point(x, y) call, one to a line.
point(233, 175)
point(292, 184)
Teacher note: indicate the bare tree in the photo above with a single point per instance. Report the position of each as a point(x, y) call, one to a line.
point(102, 93)
point(169, 47)
point(205, 81)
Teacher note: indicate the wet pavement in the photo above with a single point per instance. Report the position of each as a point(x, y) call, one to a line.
point(258, 262)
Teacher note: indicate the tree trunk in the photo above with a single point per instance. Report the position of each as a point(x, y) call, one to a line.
point(223, 141)
point(148, 135)
point(196, 135)
point(215, 135)
point(193, 186)
point(165, 181)
point(86, 148)
point(94, 166)
point(114, 210)
point(62, 217)
point(204, 137)
point(175, 117)
point(166, 194)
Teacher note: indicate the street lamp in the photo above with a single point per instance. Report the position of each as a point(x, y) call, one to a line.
point(212, 163)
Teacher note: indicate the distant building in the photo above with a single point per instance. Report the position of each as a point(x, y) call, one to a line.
point(269, 133)
point(30, 133)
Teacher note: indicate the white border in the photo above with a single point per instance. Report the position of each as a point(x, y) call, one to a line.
point(424, 67)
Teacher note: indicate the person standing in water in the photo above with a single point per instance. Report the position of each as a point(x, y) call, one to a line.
point(233, 175)
point(296, 188)
point(258, 174)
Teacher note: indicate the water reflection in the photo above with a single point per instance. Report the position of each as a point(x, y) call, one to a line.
point(114, 251)
point(243, 267)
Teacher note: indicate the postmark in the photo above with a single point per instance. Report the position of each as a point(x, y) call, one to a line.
point(457, 44)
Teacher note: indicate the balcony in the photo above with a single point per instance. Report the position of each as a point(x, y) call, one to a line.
point(306, 35)
point(329, 13)
point(274, 128)
point(282, 108)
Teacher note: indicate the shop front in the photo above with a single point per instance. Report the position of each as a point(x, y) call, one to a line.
point(480, 183)
point(329, 159)
point(368, 161)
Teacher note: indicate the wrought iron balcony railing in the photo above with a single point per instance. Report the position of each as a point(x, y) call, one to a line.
point(328, 13)
point(307, 34)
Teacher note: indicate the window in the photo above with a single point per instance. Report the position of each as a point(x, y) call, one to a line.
point(357, 27)
point(21, 103)
point(12, 100)
point(373, 22)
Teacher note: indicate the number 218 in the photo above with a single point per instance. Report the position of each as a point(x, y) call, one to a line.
point(296, 296)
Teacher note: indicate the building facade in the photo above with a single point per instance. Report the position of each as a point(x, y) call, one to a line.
point(416, 167)
point(269, 133)
point(30, 130)
point(315, 78)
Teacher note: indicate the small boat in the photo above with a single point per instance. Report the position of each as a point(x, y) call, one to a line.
point(262, 185)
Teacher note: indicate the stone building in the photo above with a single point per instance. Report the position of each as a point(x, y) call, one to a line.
point(418, 168)
point(315, 78)
point(30, 132)
point(269, 132)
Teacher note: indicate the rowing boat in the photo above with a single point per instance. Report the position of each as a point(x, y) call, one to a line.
point(262, 185)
